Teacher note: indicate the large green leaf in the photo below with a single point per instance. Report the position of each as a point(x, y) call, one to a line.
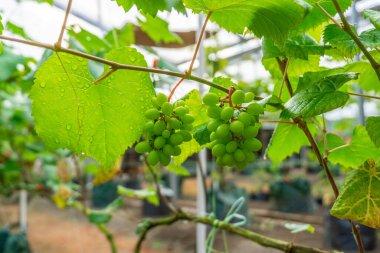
point(374, 17)
point(359, 199)
point(100, 120)
point(286, 140)
point(152, 7)
point(372, 125)
point(371, 38)
point(319, 97)
point(325, 79)
point(340, 40)
point(158, 30)
point(270, 18)
point(359, 150)
point(316, 17)
point(368, 79)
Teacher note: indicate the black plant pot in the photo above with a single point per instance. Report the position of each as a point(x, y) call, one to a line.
point(338, 235)
point(102, 195)
point(150, 210)
point(292, 196)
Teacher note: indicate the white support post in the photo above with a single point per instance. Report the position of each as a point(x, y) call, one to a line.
point(23, 205)
point(201, 230)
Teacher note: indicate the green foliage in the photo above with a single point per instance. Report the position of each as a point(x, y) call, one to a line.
point(359, 199)
point(374, 17)
point(149, 194)
point(104, 216)
point(289, 135)
point(353, 155)
point(340, 40)
point(298, 228)
point(158, 30)
point(122, 37)
point(152, 7)
point(225, 82)
point(89, 41)
point(17, 30)
point(320, 97)
point(265, 18)
point(90, 118)
point(372, 125)
point(8, 63)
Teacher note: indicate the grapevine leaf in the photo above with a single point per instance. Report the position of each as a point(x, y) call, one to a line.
point(372, 125)
point(1, 31)
point(368, 79)
point(374, 17)
point(340, 40)
point(359, 150)
point(89, 41)
point(152, 7)
point(158, 30)
point(125, 36)
point(316, 17)
point(149, 194)
point(271, 103)
point(104, 216)
point(319, 98)
point(46, 1)
point(100, 120)
point(225, 82)
point(187, 149)
point(359, 199)
point(370, 38)
point(17, 30)
point(325, 79)
point(268, 18)
point(292, 136)
point(178, 170)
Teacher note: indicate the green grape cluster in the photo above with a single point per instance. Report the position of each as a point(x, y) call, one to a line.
point(233, 128)
point(168, 127)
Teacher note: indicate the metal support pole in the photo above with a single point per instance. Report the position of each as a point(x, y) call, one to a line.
point(23, 205)
point(201, 230)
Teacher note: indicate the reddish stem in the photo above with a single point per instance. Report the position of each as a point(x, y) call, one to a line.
point(174, 88)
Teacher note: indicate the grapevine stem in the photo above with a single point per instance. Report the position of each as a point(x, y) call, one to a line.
point(116, 65)
point(329, 16)
point(68, 8)
point(283, 78)
point(174, 88)
point(347, 28)
point(283, 68)
point(363, 95)
point(112, 70)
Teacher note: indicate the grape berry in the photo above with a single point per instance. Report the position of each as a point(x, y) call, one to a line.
point(168, 127)
point(234, 128)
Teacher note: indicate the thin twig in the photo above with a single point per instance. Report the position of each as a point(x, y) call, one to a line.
point(324, 133)
point(340, 147)
point(109, 237)
point(329, 16)
point(282, 66)
point(59, 42)
point(174, 88)
point(363, 95)
point(189, 71)
point(112, 70)
point(115, 65)
point(276, 121)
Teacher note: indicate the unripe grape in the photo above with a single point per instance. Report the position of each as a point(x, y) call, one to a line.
point(237, 127)
point(164, 158)
point(148, 127)
point(250, 132)
point(177, 151)
point(245, 118)
point(180, 111)
point(239, 155)
point(210, 99)
point(152, 114)
point(166, 133)
point(214, 112)
point(228, 159)
point(226, 139)
point(143, 147)
point(249, 97)
point(153, 158)
point(159, 142)
point(168, 149)
point(218, 150)
point(213, 124)
point(227, 113)
point(186, 135)
point(238, 97)
point(161, 99)
point(176, 139)
point(174, 123)
point(167, 108)
point(213, 136)
point(249, 156)
point(255, 109)
point(180, 103)
point(159, 127)
point(252, 145)
point(187, 127)
point(223, 130)
point(231, 146)
point(187, 119)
